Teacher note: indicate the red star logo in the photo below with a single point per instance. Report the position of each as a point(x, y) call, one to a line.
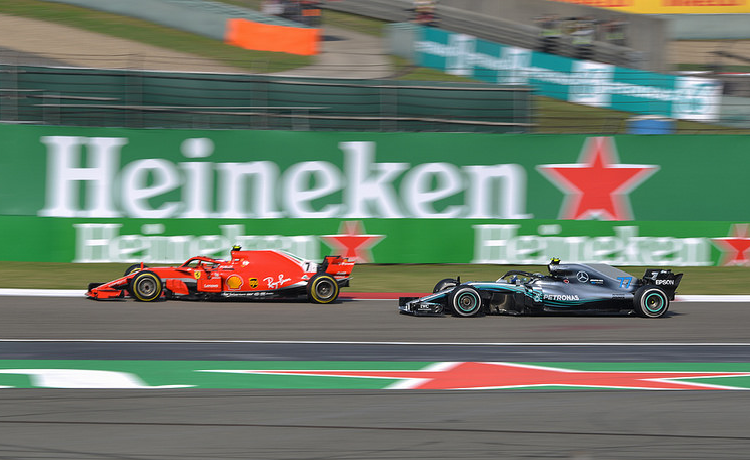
point(735, 247)
point(597, 186)
point(477, 376)
point(352, 242)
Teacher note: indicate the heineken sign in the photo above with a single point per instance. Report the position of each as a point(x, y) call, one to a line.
point(583, 82)
point(355, 187)
point(116, 195)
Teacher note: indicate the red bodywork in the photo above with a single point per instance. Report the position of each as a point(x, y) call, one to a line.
point(249, 274)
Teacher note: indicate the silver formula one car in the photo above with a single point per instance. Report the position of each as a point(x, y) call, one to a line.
point(567, 288)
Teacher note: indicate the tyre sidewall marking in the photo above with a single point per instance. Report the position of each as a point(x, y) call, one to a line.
point(146, 277)
point(662, 306)
point(648, 295)
point(462, 294)
point(334, 289)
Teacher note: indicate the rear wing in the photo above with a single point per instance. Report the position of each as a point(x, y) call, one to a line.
point(662, 277)
point(336, 266)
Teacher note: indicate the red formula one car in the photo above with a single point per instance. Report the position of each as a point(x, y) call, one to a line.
point(249, 275)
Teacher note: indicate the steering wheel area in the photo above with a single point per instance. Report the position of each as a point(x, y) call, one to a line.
point(519, 277)
point(199, 263)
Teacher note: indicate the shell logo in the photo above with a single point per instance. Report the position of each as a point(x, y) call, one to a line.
point(234, 282)
point(253, 283)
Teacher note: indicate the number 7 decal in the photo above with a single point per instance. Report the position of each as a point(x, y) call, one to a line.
point(625, 281)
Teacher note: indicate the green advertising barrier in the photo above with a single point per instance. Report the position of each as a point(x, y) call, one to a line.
point(530, 242)
point(584, 82)
point(119, 195)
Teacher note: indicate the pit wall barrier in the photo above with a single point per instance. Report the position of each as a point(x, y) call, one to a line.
point(160, 196)
point(730, 26)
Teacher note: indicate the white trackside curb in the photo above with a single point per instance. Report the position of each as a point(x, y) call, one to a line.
point(43, 292)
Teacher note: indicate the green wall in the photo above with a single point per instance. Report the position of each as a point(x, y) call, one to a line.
point(120, 195)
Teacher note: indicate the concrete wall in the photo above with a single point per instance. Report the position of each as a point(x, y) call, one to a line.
point(163, 13)
point(708, 26)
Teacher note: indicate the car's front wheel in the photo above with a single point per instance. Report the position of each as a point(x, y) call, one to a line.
point(465, 301)
point(145, 286)
point(322, 289)
point(132, 269)
point(651, 302)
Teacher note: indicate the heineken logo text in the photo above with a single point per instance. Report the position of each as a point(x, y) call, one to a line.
point(157, 188)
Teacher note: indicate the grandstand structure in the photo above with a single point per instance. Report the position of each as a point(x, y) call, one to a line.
point(512, 22)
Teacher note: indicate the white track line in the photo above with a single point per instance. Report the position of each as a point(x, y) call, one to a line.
point(43, 292)
point(332, 342)
point(81, 293)
point(712, 298)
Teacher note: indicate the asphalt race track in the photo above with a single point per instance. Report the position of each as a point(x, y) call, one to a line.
point(310, 423)
point(353, 320)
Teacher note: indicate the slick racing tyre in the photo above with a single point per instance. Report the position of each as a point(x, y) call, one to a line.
point(145, 286)
point(651, 302)
point(132, 269)
point(322, 289)
point(444, 284)
point(465, 301)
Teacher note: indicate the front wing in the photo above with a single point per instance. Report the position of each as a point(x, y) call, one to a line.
point(431, 305)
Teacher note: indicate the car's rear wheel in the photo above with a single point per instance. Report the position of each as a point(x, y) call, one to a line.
point(445, 284)
point(145, 286)
point(322, 289)
point(465, 301)
point(651, 302)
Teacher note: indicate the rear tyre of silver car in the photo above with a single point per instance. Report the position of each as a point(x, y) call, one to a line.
point(465, 302)
point(651, 302)
point(445, 284)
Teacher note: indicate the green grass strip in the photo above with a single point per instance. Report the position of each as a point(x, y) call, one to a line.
point(152, 34)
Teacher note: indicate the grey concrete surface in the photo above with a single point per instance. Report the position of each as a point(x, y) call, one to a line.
point(645, 33)
point(26, 41)
point(347, 54)
point(69, 46)
point(294, 424)
point(306, 351)
point(358, 320)
point(364, 424)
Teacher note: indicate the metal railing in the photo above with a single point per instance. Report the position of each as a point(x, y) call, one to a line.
point(118, 98)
